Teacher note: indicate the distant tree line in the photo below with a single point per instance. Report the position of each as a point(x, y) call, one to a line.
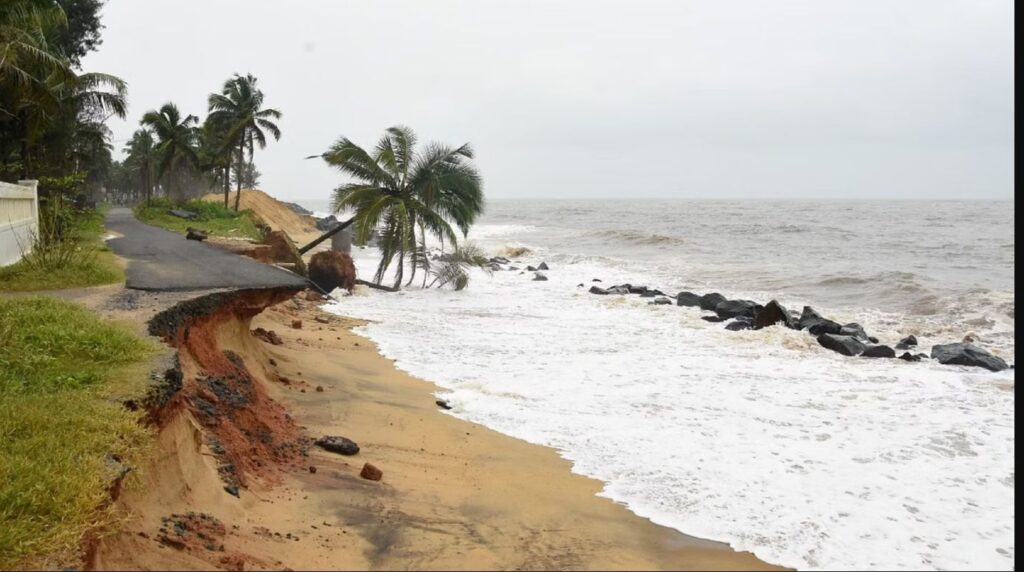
point(176, 156)
point(53, 117)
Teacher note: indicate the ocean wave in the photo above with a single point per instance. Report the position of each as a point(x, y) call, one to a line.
point(790, 426)
point(635, 237)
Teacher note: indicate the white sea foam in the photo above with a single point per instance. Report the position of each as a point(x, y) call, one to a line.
point(761, 439)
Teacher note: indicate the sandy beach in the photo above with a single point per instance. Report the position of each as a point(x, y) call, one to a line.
point(454, 495)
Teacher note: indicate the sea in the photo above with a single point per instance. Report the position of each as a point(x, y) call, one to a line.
point(760, 439)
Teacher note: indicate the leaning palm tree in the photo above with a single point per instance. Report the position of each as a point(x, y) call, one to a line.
point(239, 106)
point(407, 194)
point(176, 136)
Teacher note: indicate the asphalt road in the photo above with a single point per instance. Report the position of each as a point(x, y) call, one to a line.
point(160, 260)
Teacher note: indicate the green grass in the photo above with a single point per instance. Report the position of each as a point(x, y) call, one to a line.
point(95, 264)
point(213, 218)
point(63, 373)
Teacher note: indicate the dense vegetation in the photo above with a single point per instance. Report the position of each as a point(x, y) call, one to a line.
point(53, 114)
point(64, 435)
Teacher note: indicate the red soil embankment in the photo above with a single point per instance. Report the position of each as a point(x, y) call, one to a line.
point(222, 375)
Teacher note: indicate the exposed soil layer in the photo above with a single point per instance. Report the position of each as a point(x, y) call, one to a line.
point(251, 434)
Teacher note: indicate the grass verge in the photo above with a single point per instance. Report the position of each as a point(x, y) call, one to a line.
point(212, 218)
point(64, 435)
point(92, 264)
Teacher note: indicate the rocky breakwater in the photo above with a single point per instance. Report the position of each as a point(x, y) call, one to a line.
point(850, 339)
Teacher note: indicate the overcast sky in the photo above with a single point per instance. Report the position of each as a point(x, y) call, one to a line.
point(585, 98)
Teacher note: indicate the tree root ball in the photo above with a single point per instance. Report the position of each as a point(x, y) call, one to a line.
point(330, 270)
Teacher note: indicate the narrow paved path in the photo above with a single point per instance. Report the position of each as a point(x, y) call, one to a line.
point(161, 260)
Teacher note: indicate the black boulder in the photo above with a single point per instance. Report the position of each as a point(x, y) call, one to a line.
point(687, 299)
point(846, 345)
point(969, 355)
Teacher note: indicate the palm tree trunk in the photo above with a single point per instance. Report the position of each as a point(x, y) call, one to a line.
point(399, 272)
point(327, 235)
point(252, 164)
point(227, 181)
point(238, 173)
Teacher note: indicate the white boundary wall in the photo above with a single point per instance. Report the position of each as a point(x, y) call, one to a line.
point(19, 219)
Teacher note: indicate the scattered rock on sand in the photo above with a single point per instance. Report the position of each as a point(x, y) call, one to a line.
point(335, 444)
point(543, 266)
point(443, 404)
point(687, 299)
point(967, 354)
point(313, 296)
point(879, 351)
point(297, 324)
point(846, 345)
point(531, 268)
point(269, 336)
point(907, 343)
point(371, 473)
point(772, 313)
point(538, 277)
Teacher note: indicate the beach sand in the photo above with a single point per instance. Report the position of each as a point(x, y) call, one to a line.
point(454, 495)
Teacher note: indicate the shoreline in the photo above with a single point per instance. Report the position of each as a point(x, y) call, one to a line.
point(454, 494)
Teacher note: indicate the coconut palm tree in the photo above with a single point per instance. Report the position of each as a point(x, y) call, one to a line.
point(217, 151)
point(239, 106)
point(25, 56)
point(408, 194)
point(141, 159)
point(176, 144)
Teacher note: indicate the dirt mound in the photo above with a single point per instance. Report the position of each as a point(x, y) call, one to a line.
point(302, 228)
